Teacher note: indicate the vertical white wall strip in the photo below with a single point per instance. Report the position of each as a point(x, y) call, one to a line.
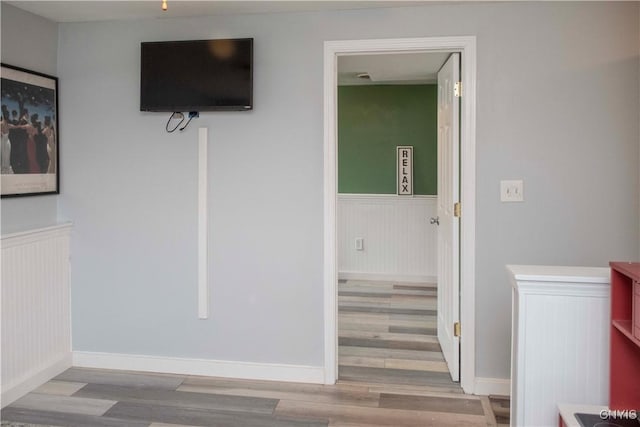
point(203, 227)
point(36, 330)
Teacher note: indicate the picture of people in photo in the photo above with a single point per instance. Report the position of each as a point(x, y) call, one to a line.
point(27, 129)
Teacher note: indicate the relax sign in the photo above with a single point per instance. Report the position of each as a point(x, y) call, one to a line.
point(405, 170)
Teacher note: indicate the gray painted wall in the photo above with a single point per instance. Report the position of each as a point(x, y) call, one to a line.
point(557, 106)
point(28, 41)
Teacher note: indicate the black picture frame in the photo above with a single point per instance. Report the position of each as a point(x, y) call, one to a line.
point(30, 145)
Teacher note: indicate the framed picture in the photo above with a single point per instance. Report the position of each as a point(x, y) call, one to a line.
point(29, 150)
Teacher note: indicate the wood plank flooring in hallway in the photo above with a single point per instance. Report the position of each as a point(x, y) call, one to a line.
point(387, 334)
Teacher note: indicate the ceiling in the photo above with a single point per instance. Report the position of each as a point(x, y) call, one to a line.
point(404, 68)
point(390, 68)
point(83, 11)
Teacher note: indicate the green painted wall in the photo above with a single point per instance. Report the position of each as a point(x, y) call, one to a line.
point(372, 121)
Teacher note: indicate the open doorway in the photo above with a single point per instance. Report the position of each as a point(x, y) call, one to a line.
point(387, 247)
point(445, 46)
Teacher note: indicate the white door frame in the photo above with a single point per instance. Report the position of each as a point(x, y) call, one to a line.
point(467, 46)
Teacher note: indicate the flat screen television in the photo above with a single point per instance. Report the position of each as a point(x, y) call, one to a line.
point(197, 75)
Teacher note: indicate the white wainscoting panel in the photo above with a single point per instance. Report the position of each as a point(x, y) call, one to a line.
point(36, 329)
point(399, 241)
point(560, 341)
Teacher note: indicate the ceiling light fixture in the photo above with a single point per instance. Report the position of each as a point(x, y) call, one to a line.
point(164, 5)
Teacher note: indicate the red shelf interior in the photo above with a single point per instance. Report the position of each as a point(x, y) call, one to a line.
point(625, 327)
point(624, 391)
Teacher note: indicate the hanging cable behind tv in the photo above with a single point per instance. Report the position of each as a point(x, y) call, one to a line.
point(179, 116)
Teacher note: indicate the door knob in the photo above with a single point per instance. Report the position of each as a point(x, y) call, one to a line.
point(435, 220)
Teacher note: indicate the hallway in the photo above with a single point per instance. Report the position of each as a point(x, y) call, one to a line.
point(387, 334)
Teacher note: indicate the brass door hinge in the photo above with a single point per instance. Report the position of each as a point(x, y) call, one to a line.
point(457, 209)
point(457, 89)
point(456, 329)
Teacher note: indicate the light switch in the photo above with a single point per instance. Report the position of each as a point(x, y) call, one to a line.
point(359, 244)
point(511, 191)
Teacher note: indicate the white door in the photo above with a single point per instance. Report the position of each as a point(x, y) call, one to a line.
point(449, 226)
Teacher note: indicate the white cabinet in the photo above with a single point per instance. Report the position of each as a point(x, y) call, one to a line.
point(560, 340)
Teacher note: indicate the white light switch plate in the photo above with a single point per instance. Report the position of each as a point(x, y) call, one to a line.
point(511, 191)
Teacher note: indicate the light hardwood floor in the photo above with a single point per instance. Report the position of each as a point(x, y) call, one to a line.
point(101, 398)
point(391, 374)
point(387, 334)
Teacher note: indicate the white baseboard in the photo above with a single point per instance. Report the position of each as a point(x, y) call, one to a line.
point(383, 277)
point(34, 379)
point(487, 386)
point(204, 367)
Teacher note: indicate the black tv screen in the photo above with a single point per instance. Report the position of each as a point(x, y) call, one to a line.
point(197, 75)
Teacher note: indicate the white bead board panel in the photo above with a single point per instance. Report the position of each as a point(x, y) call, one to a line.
point(399, 242)
point(36, 330)
point(560, 342)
